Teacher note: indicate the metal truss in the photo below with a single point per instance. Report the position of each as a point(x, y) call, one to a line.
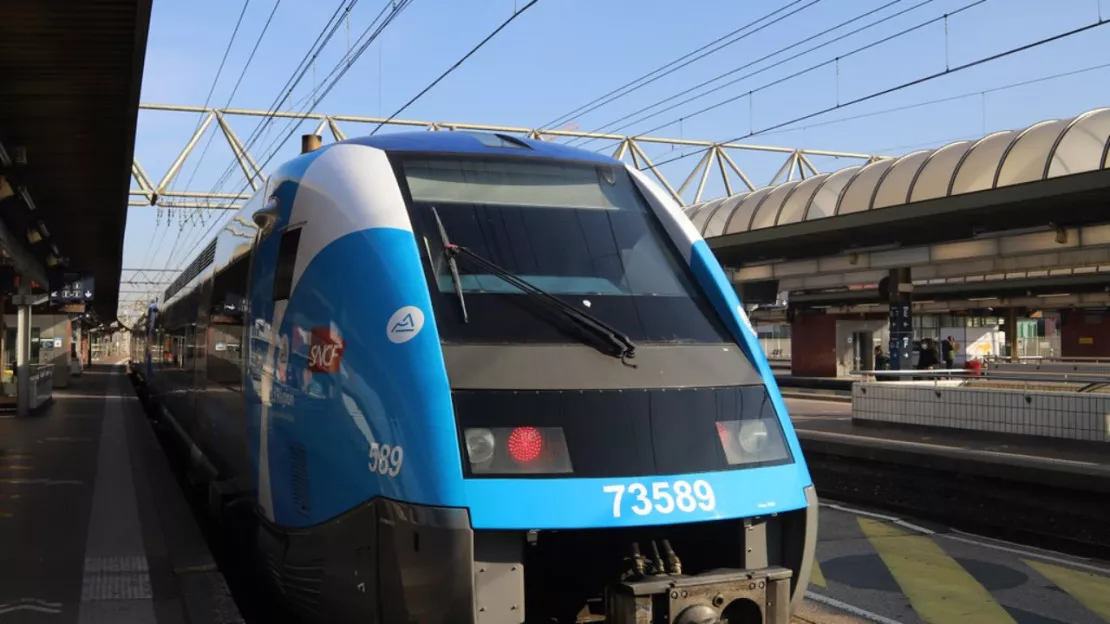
point(797, 163)
point(145, 277)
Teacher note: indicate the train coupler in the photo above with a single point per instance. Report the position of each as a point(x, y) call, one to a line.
point(722, 597)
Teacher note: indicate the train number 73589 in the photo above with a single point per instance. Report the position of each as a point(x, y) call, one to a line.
point(662, 497)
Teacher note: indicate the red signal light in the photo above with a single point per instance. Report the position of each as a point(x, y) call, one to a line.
point(525, 444)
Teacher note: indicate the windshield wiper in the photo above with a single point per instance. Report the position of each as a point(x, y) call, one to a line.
point(451, 264)
point(626, 349)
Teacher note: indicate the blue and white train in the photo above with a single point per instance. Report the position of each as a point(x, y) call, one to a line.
point(473, 378)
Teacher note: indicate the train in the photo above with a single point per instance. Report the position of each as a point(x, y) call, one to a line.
point(471, 377)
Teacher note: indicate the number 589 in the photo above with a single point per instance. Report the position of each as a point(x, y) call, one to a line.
point(385, 459)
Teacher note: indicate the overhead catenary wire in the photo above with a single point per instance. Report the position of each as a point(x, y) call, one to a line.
point(238, 82)
point(779, 63)
point(361, 49)
point(676, 64)
point(323, 38)
point(905, 85)
point(368, 37)
point(942, 100)
point(234, 90)
point(297, 75)
point(207, 100)
point(457, 63)
point(389, 12)
point(371, 34)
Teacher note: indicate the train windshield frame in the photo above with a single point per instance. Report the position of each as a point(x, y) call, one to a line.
point(581, 231)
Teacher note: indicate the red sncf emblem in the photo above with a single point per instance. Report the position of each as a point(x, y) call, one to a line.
point(325, 352)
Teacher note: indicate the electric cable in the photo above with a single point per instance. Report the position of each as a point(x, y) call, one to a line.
point(905, 85)
point(951, 98)
point(371, 34)
point(298, 73)
point(457, 64)
point(611, 97)
point(780, 62)
point(207, 100)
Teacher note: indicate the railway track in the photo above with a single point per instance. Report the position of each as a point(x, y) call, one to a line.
point(1055, 517)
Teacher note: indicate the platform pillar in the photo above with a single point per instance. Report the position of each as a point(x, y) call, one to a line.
point(900, 296)
point(78, 349)
point(23, 350)
point(1012, 334)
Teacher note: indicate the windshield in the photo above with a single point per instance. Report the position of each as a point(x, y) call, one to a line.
point(579, 231)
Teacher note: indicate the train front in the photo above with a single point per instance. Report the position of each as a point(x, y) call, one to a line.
point(625, 452)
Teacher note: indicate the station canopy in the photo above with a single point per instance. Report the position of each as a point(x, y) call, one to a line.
point(70, 77)
point(1043, 151)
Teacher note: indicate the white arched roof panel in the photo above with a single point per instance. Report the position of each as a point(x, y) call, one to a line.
point(936, 174)
point(795, 204)
point(824, 200)
point(1083, 145)
point(716, 224)
point(894, 188)
point(857, 195)
point(768, 211)
point(704, 211)
point(976, 172)
point(741, 216)
point(1028, 156)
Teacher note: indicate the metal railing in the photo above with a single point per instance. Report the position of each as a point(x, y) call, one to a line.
point(966, 375)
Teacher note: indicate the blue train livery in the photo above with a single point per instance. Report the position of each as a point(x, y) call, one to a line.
point(467, 377)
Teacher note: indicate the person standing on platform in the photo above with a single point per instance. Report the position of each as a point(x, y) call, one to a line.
point(948, 352)
point(927, 360)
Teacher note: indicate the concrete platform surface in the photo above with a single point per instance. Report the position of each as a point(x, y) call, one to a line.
point(93, 526)
point(877, 568)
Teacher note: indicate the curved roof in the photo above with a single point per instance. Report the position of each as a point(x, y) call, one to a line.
point(1049, 149)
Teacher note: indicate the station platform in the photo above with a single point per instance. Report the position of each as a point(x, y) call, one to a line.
point(826, 426)
point(93, 525)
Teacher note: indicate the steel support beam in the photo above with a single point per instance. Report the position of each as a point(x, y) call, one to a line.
point(795, 163)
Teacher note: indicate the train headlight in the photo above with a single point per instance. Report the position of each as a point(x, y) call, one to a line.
point(479, 445)
point(752, 436)
point(753, 441)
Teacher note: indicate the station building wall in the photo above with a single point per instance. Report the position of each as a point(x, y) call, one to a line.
point(1085, 333)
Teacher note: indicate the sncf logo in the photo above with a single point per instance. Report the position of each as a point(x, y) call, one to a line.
point(325, 351)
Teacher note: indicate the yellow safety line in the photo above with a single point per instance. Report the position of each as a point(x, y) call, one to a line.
point(940, 590)
point(14, 467)
point(1091, 590)
point(817, 577)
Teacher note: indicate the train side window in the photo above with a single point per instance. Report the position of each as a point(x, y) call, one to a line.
point(286, 260)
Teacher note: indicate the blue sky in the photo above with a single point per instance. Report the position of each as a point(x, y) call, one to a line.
point(564, 53)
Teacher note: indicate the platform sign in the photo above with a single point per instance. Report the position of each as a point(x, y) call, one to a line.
point(901, 335)
point(75, 289)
